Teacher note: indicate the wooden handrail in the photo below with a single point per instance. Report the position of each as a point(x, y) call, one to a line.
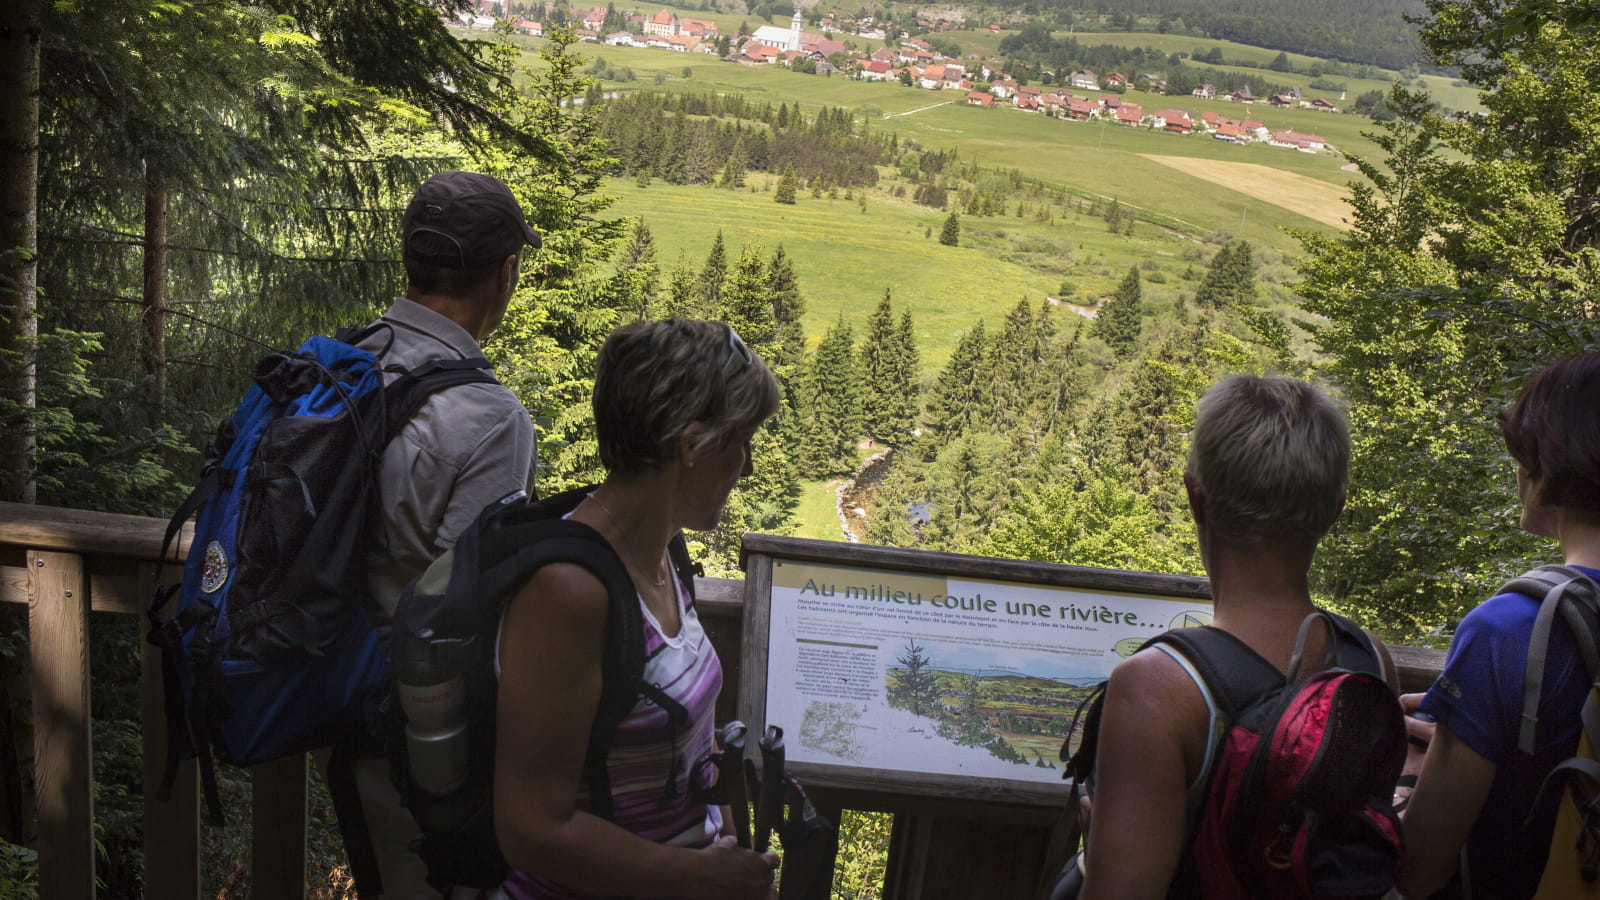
point(63, 562)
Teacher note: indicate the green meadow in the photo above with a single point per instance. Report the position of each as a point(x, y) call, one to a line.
point(847, 257)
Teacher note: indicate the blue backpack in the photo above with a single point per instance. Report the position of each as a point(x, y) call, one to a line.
point(269, 650)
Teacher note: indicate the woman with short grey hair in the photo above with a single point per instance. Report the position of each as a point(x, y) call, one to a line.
point(1267, 472)
point(676, 404)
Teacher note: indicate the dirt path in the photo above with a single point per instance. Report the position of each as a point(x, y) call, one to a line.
point(921, 109)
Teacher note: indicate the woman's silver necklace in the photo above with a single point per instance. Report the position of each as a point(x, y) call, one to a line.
point(661, 581)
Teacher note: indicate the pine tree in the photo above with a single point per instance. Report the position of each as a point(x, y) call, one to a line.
point(879, 362)
point(914, 686)
point(683, 292)
point(957, 395)
point(950, 236)
point(1118, 322)
point(733, 171)
point(712, 275)
point(786, 186)
point(1213, 292)
point(898, 418)
point(1011, 367)
point(831, 406)
point(633, 288)
point(1241, 274)
point(746, 305)
point(788, 308)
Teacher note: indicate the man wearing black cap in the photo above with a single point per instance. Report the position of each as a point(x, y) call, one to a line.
point(468, 446)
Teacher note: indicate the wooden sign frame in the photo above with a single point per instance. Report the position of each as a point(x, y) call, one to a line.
point(901, 791)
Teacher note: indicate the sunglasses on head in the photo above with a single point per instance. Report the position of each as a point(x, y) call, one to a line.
point(738, 355)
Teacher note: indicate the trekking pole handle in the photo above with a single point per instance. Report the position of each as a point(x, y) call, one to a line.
point(732, 768)
point(769, 809)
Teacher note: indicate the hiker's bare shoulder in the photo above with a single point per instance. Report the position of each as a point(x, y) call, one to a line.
point(1150, 673)
point(564, 589)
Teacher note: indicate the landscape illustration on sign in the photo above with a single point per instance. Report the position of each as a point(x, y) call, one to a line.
point(1018, 717)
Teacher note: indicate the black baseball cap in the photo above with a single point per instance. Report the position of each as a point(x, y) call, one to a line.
point(460, 219)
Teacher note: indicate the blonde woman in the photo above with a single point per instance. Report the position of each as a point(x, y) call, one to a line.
point(676, 404)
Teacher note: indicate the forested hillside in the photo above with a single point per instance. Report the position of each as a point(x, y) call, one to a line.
point(1363, 31)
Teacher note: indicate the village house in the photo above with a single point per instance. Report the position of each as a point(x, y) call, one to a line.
point(662, 24)
point(620, 39)
point(885, 55)
point(932, 78)
point(1116, 79)
point(1084, 79)
point(1280, 101)
point(1320, 105)
point(1155, 84)
point(876, 70)
point(979, 98)
point(1173, 121)
point(594, 18)
point(532, 27)
point(1003, 89)
point(1129, 114)
point(1205, 91)
point(1255, 131)
point(587, 35)
point(1308, 143)
point(1242, 95)
point(1229, 131)
point(1081, 110)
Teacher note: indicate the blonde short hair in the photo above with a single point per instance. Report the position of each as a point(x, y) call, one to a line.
point(654, 379)
point(1272, 457)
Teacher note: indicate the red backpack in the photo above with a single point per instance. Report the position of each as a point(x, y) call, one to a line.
point(1298, 794)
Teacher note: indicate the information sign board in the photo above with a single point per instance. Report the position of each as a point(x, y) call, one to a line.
point(938, 674)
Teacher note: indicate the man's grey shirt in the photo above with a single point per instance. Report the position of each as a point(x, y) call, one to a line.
point(466, 447)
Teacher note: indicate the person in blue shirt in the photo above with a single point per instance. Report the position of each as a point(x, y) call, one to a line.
point(1475, 787)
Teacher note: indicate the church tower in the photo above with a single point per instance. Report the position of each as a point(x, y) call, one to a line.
point(794, 31)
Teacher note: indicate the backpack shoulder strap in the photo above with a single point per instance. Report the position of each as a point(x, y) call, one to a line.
point(1235, 674)
point(528, 536)
point(1564, 590)
point(406, 394)
point(687, 569)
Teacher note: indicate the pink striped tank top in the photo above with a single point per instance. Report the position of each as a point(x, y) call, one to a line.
point(687, 669)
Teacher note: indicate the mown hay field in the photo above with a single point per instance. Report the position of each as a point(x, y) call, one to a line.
point(1296, 193)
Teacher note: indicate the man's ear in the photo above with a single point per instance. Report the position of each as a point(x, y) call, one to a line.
point(1197, 498)
point(510, 267)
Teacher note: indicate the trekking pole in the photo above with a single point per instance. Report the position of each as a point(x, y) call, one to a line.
point(730, 773)
point(769, 808)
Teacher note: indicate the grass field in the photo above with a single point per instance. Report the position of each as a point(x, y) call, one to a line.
point(847, 258)
point(1090, 158)
point(817, 515)
point(1297, 193)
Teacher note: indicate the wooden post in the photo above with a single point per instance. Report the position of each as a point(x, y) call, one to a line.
point(278, 833)
point(947, 859)
point(172, 827)
point(58, 634)
point(809, 869)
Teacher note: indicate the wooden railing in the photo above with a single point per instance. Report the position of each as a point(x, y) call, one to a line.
point(63, 563)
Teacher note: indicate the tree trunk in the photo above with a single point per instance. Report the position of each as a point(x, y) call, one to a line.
point(19, 243)
point(155, 293)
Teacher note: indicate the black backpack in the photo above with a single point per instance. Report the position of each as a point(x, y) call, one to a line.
point(267, 649)
point(446, 627)
point(1298, 794)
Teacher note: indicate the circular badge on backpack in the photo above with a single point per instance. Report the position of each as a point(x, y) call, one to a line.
point(215, 573)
